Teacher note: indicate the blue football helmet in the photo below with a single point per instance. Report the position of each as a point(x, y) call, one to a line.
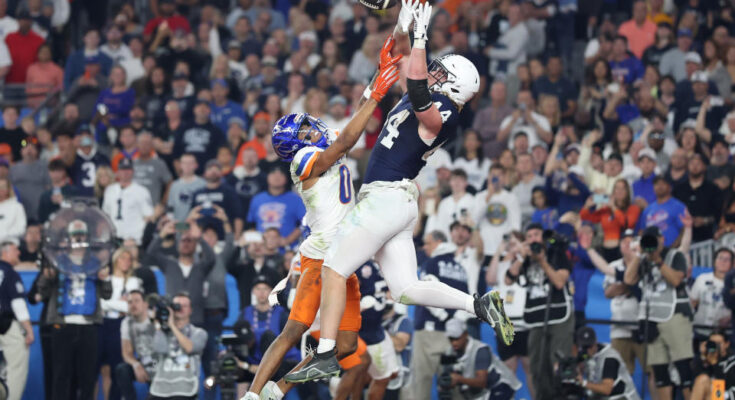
point(286, 132)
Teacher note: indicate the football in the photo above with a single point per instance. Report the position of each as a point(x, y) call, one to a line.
point(379, 4)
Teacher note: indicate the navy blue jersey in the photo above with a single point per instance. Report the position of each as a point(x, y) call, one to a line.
point(84, 172)
point(446, 269)
point(399, 152)
point(372, 284)
point(11, 287)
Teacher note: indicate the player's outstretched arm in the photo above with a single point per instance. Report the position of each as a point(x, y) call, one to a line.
point(349, 136)
point(430, 121)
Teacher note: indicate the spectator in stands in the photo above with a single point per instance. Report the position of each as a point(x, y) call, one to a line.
point(496, 211)
point(257, 260)
point(136, 337)
point(60, 189)
point(151, 172)
point(11, 133)
point(76, 63)
point(87, 160)
point(247, 179)
point(487, 121)
point(30, 178)
point(181, 190)
point(216, 192)
point(664, 41)
point(16, 333)
point(678, 171)
point(458, 205)
point(179, 350)
point(183, 271)
point(114, 308)
point(614, 216)
point(624, 67)
point(524, 119)
point(114, 46)
point(127, 203)
point(277, 208)
point(509, 50)
point(43, 77)
point(673, 62)
point(554, 84)
point(429, 322)
point(30, 246)
point(168, 21)
point(527, 180)
point(23, 47)
point(639, 30)
point(707, 299)
point(85, 89)
point(224, 109)
point(715, 364)
point(665, 213)
point(261, 135)
point(105, 177)
point(543, 214)
point(473, 160)
point(670, 329)
point(702, 198)
point(201, 138)
point(643, 187)
point(118, 100)
point(720, 171)
point(12, 214)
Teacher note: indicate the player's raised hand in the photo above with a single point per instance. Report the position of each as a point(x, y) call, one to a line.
point(386, 60)
point(405, 17)
point(383, 82)
point(421, 17)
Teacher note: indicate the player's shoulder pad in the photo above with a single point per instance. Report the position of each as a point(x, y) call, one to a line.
point(304, 161)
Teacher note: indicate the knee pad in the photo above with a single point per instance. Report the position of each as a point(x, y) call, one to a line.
point(684, 367)
point(661, 375)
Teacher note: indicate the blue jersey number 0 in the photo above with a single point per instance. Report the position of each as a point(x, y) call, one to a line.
point(345, 185)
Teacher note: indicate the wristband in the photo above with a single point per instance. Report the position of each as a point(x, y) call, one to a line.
point(367, 92)
point(419, 44)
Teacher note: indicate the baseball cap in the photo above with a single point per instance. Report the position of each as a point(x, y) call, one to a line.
point(125, 163)
point(455, 328)
point(628, 233)
point(234, 44)
point(693, 57)
point(647, 152)
point(262, 115)
point(23, 14)
point(459, 223)
point(308, 35)
point(180, 75)
point(615, 156)
point(699, 76)
point(261, 279)
point(77, 227)
point(237, 121)
point(84, 129)
point(686, 32)
point(585, 337)
point(540, 144)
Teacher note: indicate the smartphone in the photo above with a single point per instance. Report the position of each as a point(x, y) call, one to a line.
point(600, 199)
point(102, 110)
point(182, 226)
point(496, 182)
point(207, 212)
point(463, 213)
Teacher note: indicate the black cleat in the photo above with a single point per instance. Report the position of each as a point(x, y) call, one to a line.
point(321, 366)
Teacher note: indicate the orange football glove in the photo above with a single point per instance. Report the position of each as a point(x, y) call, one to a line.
point(386, 60)
point(383, 82)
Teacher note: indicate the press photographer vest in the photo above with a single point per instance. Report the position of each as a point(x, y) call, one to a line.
point(497, 367)
point(177, 373)
point(538, 289)
point(663, 299)
point(595, 366)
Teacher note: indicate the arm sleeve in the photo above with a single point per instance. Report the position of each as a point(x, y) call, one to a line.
point(483, 359)
point(610, 369)
point(125, 329)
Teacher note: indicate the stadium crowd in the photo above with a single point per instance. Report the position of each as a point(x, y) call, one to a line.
point(599, 124)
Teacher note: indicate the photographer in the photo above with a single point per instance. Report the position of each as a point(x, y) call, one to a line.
point(605, 375)
point(544, 269)
point(715, 369)
point(178, 345)
point(664, 311)
point(477, 373)
point(136, 336)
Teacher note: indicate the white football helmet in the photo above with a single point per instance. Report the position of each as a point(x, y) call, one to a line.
point(456, 77)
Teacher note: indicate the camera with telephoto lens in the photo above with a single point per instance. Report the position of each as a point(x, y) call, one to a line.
point(565, 376)
point(649, 243)
point(552, 242)
point(226, 372)
point(447, 366)
point(160, 306)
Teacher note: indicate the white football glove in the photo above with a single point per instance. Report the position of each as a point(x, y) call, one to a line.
point(422, 17)
point(405, 17)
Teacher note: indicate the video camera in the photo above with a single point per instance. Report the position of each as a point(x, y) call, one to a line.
point(553, 242)
point(565, 376)
point(226, 371)
point(447, 366)
point(160, 306)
